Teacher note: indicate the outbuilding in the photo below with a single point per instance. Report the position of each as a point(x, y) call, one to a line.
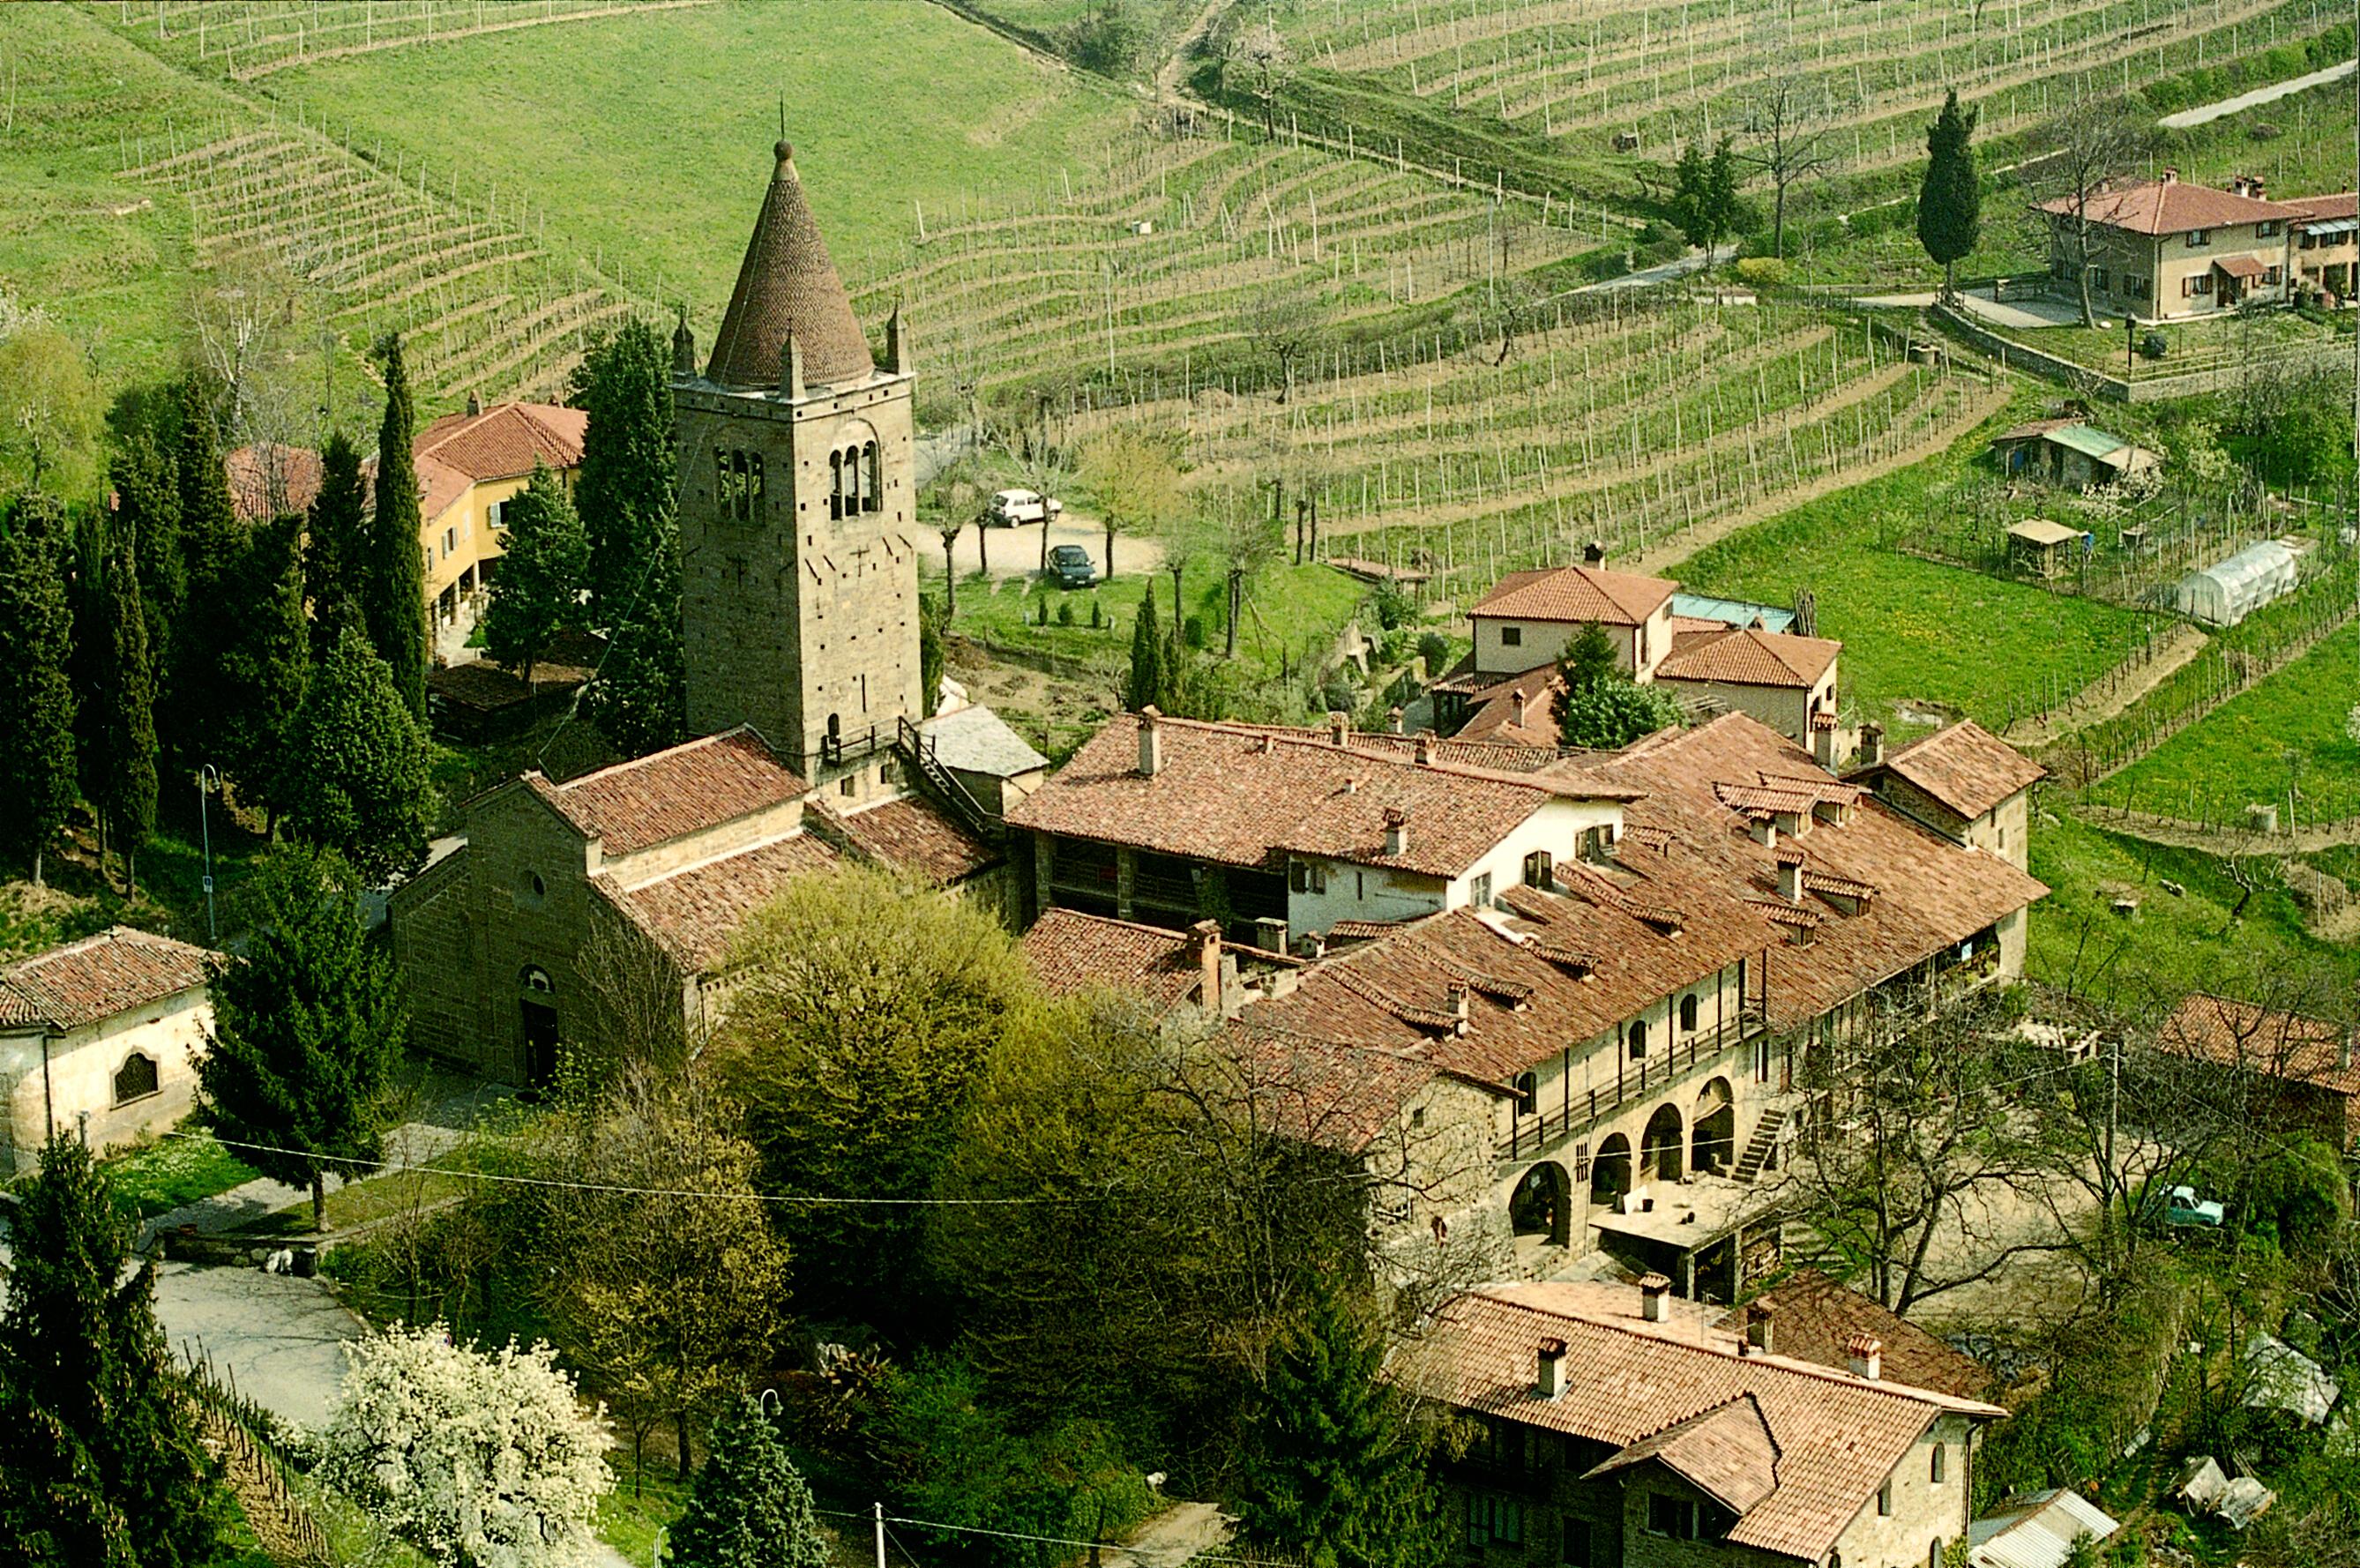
point(2223, 594)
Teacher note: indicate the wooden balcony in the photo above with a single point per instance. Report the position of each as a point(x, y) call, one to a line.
point(1650, 1074)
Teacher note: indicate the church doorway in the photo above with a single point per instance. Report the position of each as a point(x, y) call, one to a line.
point(537, 1017)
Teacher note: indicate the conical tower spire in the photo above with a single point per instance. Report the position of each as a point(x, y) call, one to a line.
point(788, 284)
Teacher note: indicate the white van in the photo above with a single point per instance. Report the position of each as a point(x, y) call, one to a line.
point(1009, 507)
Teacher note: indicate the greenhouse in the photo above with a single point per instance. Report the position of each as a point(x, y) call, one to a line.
point(2224, 595)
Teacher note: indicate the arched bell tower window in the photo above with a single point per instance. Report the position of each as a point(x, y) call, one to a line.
point(836, 485)
point(871, 497)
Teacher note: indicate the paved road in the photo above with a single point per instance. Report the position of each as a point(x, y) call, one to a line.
point(275, 1336)
point(1692, 262)
point(2259, 95)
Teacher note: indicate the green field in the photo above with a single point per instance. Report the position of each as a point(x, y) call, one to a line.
point(646, 140)
point(2287, 731)
point(172, 1171)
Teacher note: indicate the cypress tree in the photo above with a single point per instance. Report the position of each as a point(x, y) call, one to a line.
point(1721, 196)
point(639, 700)
point(198, 700)
point(127, 730)
point(355, 779)
point(1144, 686)
point(148, 509)
point(37, 692)
point(539, 589)
point(306, 1028)
point(264, 663)
point(94, 650)
point(1950, 204)
point(394, 605)
point(625, 486)
point(750, 1507)
point(336, 544)
point(100, 1464)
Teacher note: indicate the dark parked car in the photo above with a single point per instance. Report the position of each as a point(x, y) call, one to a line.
point(1069, 564)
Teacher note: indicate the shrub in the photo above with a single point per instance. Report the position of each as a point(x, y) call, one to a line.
point(1338, 695)
point(1097, 616)
point(1192, 631)
point(1065, 614)
point(1435, 649)
point(1762, 271)
point(1393, 606)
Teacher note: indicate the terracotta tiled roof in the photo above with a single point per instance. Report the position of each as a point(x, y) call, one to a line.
point(1574, 593)
point(1812, 1316)
point(269, 478)
point(1937, 893)
point(2173, 206)
point(1747, 657)
point(1966, 768)
point(1071, 952)
point(1728, 1453)
point(2293, 1046)
point(440, 487)
point(693, 912)
point(1239, 795)
point(788, 284)
point(688, 788)
point(1494, 715)
point(2335, 204)
point(914, 837)
point(1831, 1439)
point(97, 978)
point(506, 440)
point(1318, 1092)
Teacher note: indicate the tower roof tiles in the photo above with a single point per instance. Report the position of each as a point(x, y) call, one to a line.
point(788, 284)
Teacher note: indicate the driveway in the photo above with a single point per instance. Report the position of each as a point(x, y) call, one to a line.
point(2024, 315)
point(1692, 262)
point(276, 1337)
point(2259, 95)
point(1016, 552)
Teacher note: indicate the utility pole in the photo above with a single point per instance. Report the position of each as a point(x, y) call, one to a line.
point(208, 781)
point(881, 1535)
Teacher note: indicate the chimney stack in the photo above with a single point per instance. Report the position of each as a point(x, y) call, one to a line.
point(1393, 720)
point(1151, 741)
point(2343, 1052)
point(684, 349)
point(1424, 750)
point(1790, 875)
point(1209, 960)
point(897, 343)
point(1520, 704)
point(1764, 831)
point(1459, 1000)
point(1757, 1329)
point(474, 405)
point(1654, 1292)
point(1340, 728)
point(2171, 177)
point(1551, 1369)
point(1593, 554)
point(1270, 933)
point(1872, 744)
point(1396, 831)
point(1864, 1354)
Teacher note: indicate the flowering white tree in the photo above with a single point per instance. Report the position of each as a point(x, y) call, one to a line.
point(479, 1460)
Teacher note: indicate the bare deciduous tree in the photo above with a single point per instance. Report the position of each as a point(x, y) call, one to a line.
point(1787, 124)
point(2096, 140)
point(1287, 323)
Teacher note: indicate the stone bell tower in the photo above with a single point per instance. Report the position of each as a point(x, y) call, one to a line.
point(798, 580)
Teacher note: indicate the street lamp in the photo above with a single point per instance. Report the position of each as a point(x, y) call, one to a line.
point(208, 781)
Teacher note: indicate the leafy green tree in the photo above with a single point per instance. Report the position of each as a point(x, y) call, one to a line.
point(100, 1462)
point(1613, 713)
point(1335, 1472)
point(1721, 193)
point(625, 486)
point(639, 699)
point(866, 1012)
point(544, 554)
point(36, 690)
point(356, 778)
point(265, 661)
point(1589, 659)
point(931, 614)
point(1949, 203)
point(126, 727)
point(307, 1028)
point(1144, 684)
point(750, 1507)
point(394, 580)
point(336, 545)
point(1704, 201)
point(50, 414)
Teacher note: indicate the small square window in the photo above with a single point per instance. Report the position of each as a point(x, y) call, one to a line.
point(1884, 1501)
point(2197, 238)
point(1511, 637)
point(1673, 1517)
point(1479, 892)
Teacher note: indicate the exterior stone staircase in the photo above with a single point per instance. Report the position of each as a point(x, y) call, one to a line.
point(1765, 1141)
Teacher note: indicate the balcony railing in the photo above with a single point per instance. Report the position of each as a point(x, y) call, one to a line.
point(1648, 1075)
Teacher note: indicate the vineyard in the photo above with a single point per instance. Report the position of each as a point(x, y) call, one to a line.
point(246, 38)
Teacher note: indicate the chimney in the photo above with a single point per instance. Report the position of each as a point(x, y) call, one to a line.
point(790, 370)
point(1340, 728)
point(1757, 1329)
point(1654, 1290)
point(1551, 1369)
point(1764, 831)
point(1520, 704)
point(1425, 751)
point(1208, 961)
point(2171, 177)
point(1151, 741)
point(1790, 875)
point(684, 349)
point(474, 405)
point(1864, 1354)
point(1396, 831)
point(1393, 720)
point(1872, 744)
point(1593, 554)
point(2343, 1053)
point(1270, 933)
point(1314, 944)
point(1459, 1000)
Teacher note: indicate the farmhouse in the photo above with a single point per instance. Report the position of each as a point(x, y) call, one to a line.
point(2164, 250)
point(2327, 244)
point(1617, 1426)
point(1965, 783)
point(99, 1039)
point(2295, 1070)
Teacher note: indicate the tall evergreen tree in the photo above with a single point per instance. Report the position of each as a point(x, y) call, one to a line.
point(336, 547)
point(126, 729)
point(37, 692)
point(538, 592)
point(263, 665)
point(394, 602)
point(307, 1028)
point(1722, 194)
point(355, 777)
point(750, 1507)
point(639, 697)
point(1691, 205)
point(1950, 204)
point(1143, 685)
point(1335, 1472)
point(94, 649)
point(100, 1465)
point(198, 698)
point(625, 486)
point(147, 483)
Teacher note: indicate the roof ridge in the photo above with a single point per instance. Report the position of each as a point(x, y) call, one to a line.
point(606, 873)
point(629, 762)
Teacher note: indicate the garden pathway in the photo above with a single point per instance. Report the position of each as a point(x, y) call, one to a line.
point(2221, 839)
point(2182, 643)
point(2276, 89)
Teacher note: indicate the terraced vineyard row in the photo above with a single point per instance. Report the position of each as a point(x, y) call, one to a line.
point(1179, 237)
point(246, 38)
point(1601, 426)
point(483, 308)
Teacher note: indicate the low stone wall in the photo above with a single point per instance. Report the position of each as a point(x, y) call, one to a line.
point(2014, 356)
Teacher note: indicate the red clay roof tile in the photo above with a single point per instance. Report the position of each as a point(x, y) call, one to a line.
point(1583, 594)
point(95, 978)
point(679, 790)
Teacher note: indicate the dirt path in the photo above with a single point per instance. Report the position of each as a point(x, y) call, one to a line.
point(1655, 561)
point(1174, 68)
point(2216, 838)
point(2183, 643)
